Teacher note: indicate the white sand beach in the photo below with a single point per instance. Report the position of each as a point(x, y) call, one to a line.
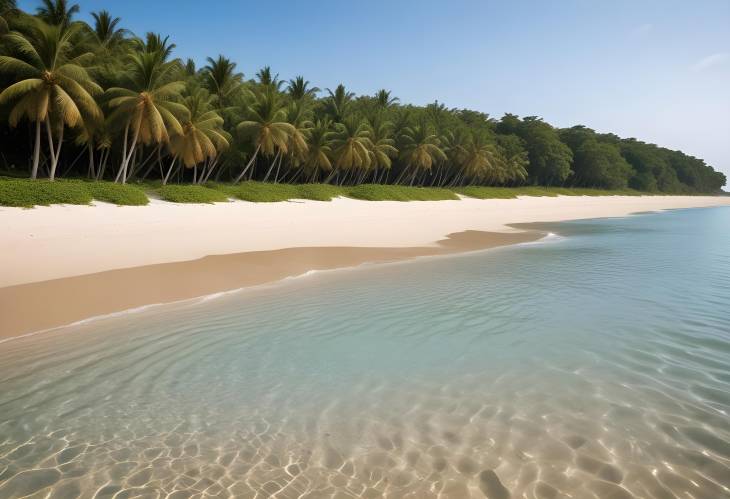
point(58, 241)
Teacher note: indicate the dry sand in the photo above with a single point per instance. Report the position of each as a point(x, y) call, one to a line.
point(61, 264)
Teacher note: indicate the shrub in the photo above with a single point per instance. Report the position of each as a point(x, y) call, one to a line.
point(319, 192)
point(119, 194)
point(27, 193)
point(191, 194)
point(377, 192)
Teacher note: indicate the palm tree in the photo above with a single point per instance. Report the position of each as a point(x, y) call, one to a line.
point(107, 33)
point(338, 102)
point(51, 85)
point(437, 114)
point(319, 149)
point(267, 79)
point(299, 89)
point(420, 149)
point(383, 99)
point(6, 7)
point(202, 137)
point(57, 12)
point(352, 146)
point(382, 146)
point(221, 79)
point(479, 158)
point(297, 147)
point(190, 69)
point(454, 144)
point(267, 127)
point(146, 105)
point(153, 43)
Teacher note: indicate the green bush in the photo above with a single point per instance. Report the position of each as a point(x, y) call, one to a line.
point(120, 194)
point(538, 191)
point(479, 192)
point(259, 192)
point(191, 194)
point(319, 192)
point(27, 193)
point(377, 192)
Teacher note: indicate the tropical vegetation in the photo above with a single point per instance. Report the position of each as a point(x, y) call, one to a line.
point(80, 100)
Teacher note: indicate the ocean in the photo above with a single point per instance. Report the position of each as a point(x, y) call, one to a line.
point(592, 363)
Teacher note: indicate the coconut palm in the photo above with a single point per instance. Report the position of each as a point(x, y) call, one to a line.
point(57, 12)
point(221, 79)
point(319, 149)
point(266, 127)
point(351, 146)
point(420, 149)
point(106, 32)
point(480, 158)
point(438, 114)
point(267, 79)
point(146, 105)
point(190, 69)
point(51, 85)
point(202, 137)
point(383, 99)
point(382, 146)
point(297, 147)
point(7, 7)
point(299, 89)
point(338, 103)
point(153, 43)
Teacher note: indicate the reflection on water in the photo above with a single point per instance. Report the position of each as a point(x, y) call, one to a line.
point(596, 365)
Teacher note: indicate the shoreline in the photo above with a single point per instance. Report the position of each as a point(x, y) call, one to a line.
point(43, 287)
point(70, 300)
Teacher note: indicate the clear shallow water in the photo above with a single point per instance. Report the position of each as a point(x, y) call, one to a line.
point(592, 365)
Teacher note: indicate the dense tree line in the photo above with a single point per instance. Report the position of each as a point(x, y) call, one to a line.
point(95, 100)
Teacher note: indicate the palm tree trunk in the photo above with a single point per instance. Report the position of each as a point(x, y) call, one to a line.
point(253, 158)
point(124, 153)
point(272, 166)
point(331, 176)
point(169, 171)
point(278, 167)
point(129, 155)
point(54, 152)
point(36, 150)
point(402, 174)
point(92, 167)
point(102, 167)
point(212, 166)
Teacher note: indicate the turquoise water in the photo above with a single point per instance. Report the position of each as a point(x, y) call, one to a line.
point(593, 364)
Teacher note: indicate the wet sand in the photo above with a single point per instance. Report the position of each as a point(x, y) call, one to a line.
point(44, 305)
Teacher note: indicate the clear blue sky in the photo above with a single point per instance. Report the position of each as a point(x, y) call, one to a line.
point(656, 70)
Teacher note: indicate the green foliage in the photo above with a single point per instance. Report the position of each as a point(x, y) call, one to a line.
point(119, 194)
point(378, 192)
point(263, 192)
point(320, 192)
point(258, 192)
point(549, 158)
point(538, 191)
point(191, 194)
point(28, 193)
